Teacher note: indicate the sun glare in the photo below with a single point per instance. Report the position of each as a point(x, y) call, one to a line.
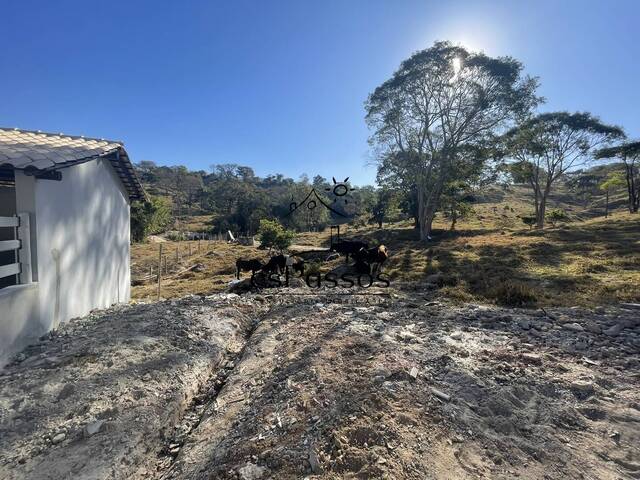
point(457, 65)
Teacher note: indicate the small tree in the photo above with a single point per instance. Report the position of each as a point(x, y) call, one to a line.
point(149, 217)
point(384, 206)
point(529, 220)
point(456, 201)
point(613, 181)
point(556, 215)
point(545, 147)
point(273, 235)
point(630, 155)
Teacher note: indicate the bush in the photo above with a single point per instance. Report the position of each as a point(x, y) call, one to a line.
point(556, 215)
point(514, 294)
point(149, 217)
point(272, 234)
point(529, 220)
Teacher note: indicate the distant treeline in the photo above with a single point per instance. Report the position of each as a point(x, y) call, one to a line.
point(237, 199)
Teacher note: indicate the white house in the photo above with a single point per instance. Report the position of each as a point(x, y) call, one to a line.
point(64, 231)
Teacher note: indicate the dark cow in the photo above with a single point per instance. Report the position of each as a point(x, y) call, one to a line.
point(275, 264)
point(252, 266)
point(347, 247)
point(368, 257)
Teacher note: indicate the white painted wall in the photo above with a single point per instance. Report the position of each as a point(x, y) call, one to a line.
point(80, 252)
point(19, 319)
point(82, 242)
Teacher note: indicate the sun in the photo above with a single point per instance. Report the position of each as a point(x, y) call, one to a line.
point(457, 65)
point(340, 189)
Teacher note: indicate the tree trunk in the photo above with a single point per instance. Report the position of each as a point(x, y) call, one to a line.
point(425, 226)
point(426, 213)
point(606, 208)
point(541, 207)
point(454, 219)
point(633, 191)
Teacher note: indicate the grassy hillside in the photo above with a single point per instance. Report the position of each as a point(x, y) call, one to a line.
point(490, 257)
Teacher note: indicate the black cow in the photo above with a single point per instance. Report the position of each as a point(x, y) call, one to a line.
point(366, 258)
point(275, 264)
point(347, 247)
point(252, 266)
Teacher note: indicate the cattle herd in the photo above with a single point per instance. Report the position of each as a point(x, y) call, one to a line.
point(367, 260)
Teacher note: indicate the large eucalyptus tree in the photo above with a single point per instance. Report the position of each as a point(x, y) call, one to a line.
point(435, 107)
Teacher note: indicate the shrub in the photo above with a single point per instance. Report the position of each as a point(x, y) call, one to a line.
point(514, 294)
point(529, 220)
point(556, 215)
point(272, 234)
point(149, 217)
point(312, 268)
point(175, 236)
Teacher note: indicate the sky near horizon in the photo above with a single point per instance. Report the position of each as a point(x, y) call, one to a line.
point(280, 85)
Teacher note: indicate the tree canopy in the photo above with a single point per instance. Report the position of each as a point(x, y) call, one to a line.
point(438, 104)
point(546, 146)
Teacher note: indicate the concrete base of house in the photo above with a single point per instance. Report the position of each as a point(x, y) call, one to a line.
point(20, 319)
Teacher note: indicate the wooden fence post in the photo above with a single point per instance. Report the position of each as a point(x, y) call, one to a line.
point(159, 269)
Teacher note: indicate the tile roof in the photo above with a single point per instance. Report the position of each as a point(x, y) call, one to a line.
point(40, 151)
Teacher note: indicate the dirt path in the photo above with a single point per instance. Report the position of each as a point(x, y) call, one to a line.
point(387, 388)
point(332, 386)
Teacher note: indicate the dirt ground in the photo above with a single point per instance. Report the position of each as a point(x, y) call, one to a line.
point(294, 383)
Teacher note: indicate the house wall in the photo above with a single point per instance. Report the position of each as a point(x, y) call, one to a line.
point(82, 242)
point(19, 319)
point(80, 252)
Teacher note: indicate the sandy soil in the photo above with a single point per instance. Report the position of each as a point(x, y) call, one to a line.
point(98, 397)
point(387, 385)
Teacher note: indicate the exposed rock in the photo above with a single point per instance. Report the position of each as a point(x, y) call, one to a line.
point(314, 462)
point(582, 389)
point(251, 471)
point(573, 327)
point(593, 327)
point(93, 427)
point(524, 324)
point(532, 358)
point(614, 331)
point(58, 438)
point(456, 335)
point(631, 306)
point(440, 395)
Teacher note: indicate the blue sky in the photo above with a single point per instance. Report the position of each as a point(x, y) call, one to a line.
point(278, 85)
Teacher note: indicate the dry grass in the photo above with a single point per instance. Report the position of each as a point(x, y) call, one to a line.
point(582, 263)
point(491, 257)
point(218, 259)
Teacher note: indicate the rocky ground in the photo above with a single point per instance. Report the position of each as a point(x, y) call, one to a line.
point(322, 384)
